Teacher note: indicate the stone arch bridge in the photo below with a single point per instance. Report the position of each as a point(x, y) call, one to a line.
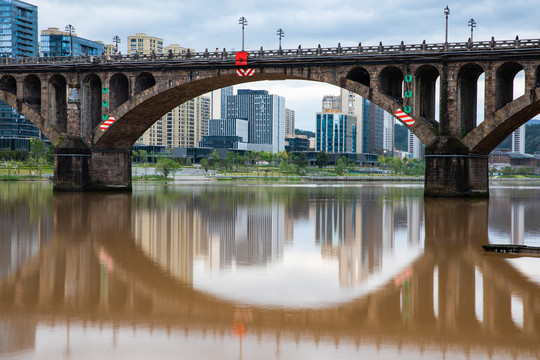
point(68, 98)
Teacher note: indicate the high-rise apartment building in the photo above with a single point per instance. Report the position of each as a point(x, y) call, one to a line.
point(143, 44)
point(414, 146)
point(19, 37)
point(60, 43)
point(289, 122)
point(388, 131)
point(183, 126)
point(518, 140)
point(372, 127)
point(218, 99)
point(265, 114)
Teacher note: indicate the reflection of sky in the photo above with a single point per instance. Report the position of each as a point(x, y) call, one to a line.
point(302, 278)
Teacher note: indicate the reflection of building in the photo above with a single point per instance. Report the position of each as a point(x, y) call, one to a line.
point(517, 223)
point(172, 236)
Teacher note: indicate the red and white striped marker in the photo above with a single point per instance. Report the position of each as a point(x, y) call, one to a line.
point(107, 123)
point(404, 117)
point(245, 72)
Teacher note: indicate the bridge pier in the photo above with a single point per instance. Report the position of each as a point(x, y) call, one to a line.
point(451, 171)
point(79, 168)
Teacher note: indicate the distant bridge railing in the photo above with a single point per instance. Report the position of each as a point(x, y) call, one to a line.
point(219, 55)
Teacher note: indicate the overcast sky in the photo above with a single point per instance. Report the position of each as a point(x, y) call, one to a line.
point(214, 23)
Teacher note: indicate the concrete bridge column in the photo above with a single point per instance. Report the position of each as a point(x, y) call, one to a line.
point(451, 171)
point(110, 169)
point(72, 159)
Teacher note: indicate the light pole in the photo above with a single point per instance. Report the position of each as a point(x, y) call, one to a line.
point(116, 40)
point(280, 34)
point(446, 13)
point(70, 28)
point(472, 24)
point(242, 21)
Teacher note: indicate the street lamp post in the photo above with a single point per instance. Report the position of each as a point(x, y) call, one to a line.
point(116, 40)
point(472, 24)
point(280, 34)
point(242, 21)
point(70, 28)
point(446, 13)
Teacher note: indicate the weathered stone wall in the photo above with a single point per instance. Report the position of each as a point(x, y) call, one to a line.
point(110, 170)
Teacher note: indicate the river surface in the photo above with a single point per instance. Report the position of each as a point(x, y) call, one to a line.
point(214, 271)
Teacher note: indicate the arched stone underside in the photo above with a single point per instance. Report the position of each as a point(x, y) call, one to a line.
point(140, 112)
point(425, 80)
point(485, 137)
point(31, 113)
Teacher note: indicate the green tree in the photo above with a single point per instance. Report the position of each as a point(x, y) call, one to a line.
point(167, 166)
point(143, 155)
point(205, 164)
point(37, 153)
point(214, 158)
point(301, 160)
point(322, 159)
point(341, 164)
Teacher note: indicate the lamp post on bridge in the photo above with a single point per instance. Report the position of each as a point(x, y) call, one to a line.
point(472, 24)
point(242, 21)
point(70, 28)
point(446, 13)
point(280, 34)
point(116, 40)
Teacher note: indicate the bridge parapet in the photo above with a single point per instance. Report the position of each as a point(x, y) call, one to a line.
point(293, 53)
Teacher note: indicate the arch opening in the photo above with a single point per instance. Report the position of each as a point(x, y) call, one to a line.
point(391, 83)
point(467, 97)
point(58, 102)
point(32, 91)
point(9, 84)
point(426, 92)
point(92, 100)
point(360, 75)
point(119, 90)
point(144, 81)
point(504, 83)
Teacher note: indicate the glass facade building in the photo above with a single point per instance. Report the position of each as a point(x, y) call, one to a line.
point(18, 37)
point(265, 114)
point(57, 43)
point(336, 132)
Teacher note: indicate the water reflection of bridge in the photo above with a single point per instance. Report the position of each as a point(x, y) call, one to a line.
point(96, 270)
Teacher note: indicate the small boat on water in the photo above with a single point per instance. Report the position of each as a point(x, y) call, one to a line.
point(520, 250)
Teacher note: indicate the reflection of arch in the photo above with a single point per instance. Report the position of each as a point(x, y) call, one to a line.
point(58, 102)
point(504, 86)
point(391, 82)
point(9, 84)
point(119, 90)
point(92, 99)
point(467, 95)
point(32, 91)
point(144, 81)
point(425, 80)
point(360, 75)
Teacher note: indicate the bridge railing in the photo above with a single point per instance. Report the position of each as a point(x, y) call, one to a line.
point(221, 55)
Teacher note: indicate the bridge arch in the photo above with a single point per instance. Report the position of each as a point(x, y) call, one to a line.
point(9, 84)
point(32, 91)
point(92, 98)
point(360, 75)
point(144, 81)
point(486, 136)
point(58, 102)
point(467, 83)
point(504, 86)
point(391, 83)
point(118, 90)
point(144, 109)
point(425, 92)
